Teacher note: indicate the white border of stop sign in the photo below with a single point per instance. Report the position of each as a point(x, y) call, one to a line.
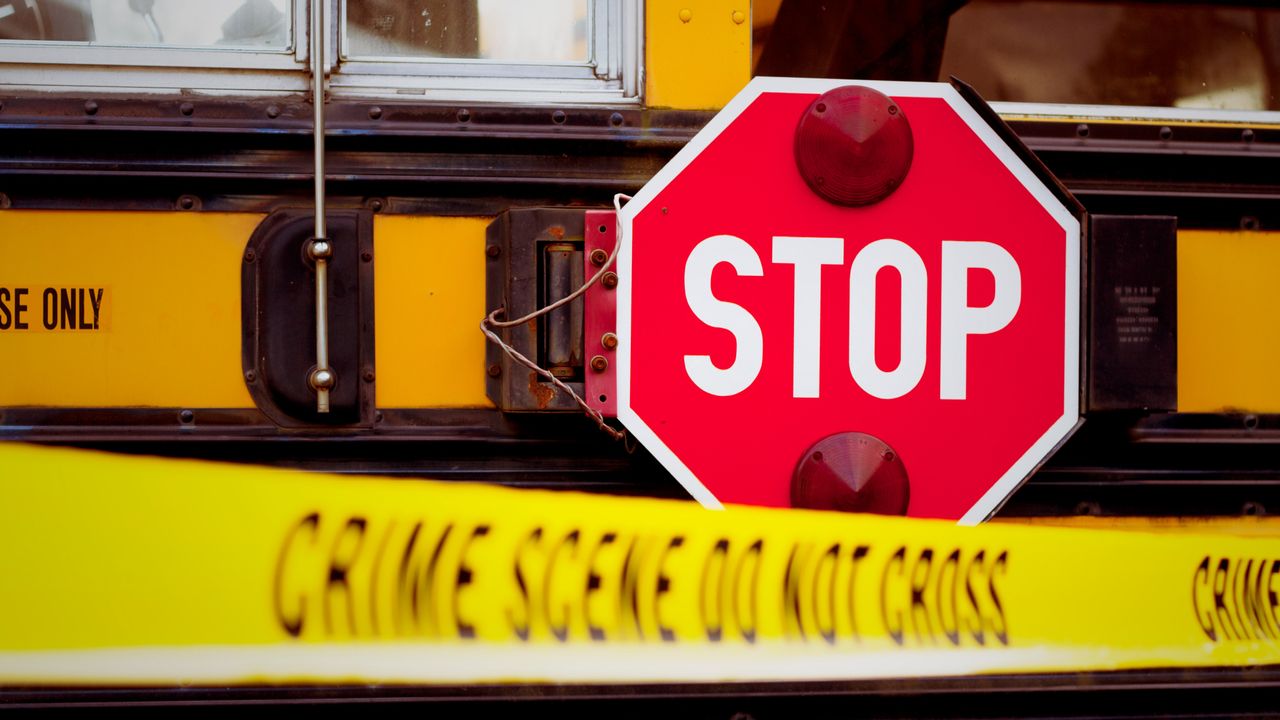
point(1041, 449)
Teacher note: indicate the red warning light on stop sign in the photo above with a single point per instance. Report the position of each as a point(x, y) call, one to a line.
point(758, 318)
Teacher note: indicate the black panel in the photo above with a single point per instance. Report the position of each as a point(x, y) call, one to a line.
point(1133, 313)
point(278, 315)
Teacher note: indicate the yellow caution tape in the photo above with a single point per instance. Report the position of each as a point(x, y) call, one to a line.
point(124, 570)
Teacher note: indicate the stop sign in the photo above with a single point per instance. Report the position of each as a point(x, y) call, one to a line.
point(930, 336)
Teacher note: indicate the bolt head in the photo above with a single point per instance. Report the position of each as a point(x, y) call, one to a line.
point(599, 363)
point(493, 251)
point(320, 250)
point(599, 257)
point(610, 280)
point(495, 370)
point(322, 379)
point(609, 341)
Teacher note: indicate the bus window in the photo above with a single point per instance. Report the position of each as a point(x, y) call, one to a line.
point(150, 23)
point(582, 51)
point(530, 31)
point(534, 51)
point(1117, 53)
point(1187, 57)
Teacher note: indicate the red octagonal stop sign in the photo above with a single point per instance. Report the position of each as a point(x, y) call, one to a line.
point(940, 323)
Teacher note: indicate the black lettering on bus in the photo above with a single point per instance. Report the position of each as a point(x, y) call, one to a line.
point(292, 623)
point(82, 325)
point(594, 580)
point(96, 300)
point(50, 307)
point(68, 304)
point(340, 564)
point(466, 576)
point(6, 316)
point(19, 308)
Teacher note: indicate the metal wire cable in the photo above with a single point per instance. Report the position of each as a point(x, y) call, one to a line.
point(491, 321)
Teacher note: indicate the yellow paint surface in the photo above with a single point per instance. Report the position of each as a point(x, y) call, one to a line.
point(1228, 331)
point(700, 63)
point(169, 326)
point(428, 301)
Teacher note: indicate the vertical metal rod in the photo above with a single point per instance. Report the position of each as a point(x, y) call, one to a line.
point(317, 84)
point(322, 378)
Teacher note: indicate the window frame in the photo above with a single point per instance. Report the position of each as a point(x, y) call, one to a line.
point(62, 65)
point(613, 74)
point(610, 74)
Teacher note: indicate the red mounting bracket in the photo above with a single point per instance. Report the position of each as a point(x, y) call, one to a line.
point(600, 314)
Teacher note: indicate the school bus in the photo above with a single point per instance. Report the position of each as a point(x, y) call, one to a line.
point(266, 231)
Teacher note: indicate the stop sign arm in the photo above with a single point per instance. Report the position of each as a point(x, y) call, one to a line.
point(690, 348)
point(1012, 141)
